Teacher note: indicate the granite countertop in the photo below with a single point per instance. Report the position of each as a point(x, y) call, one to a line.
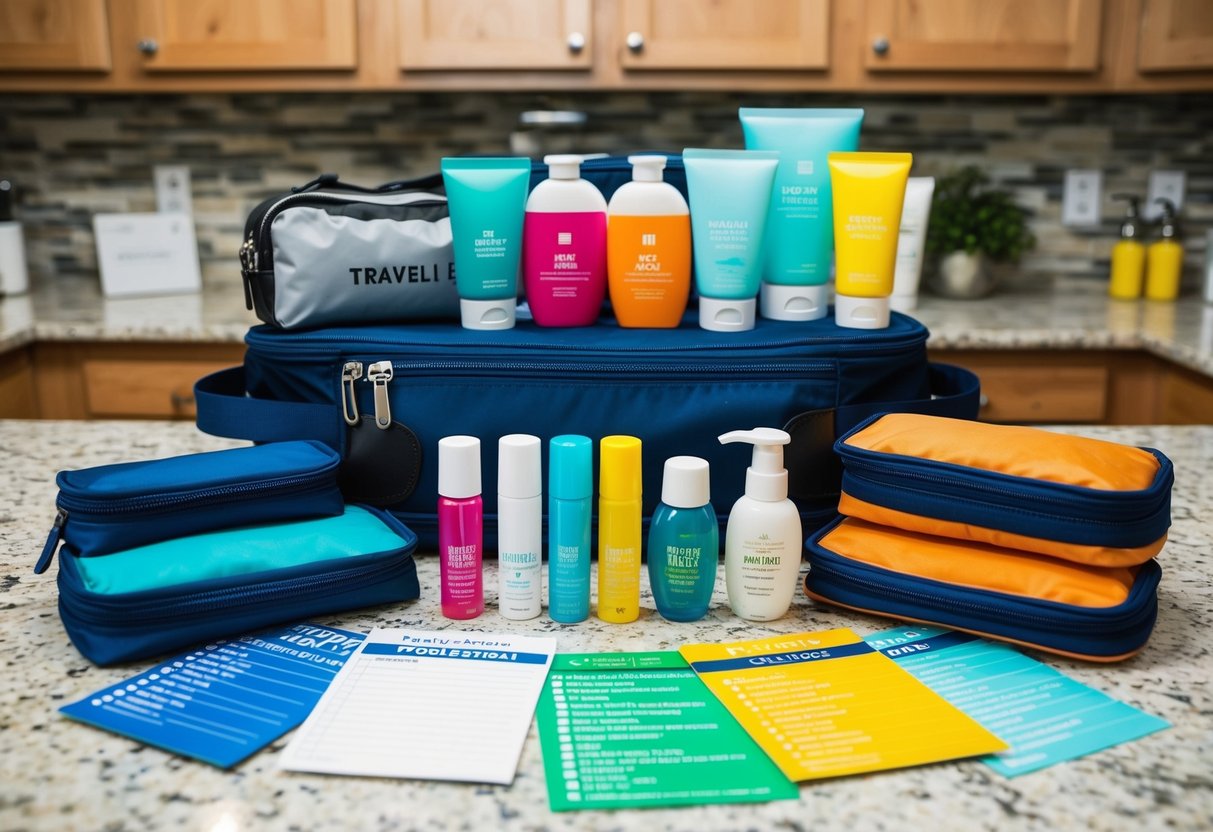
point(1036, 313)
point(58, 774)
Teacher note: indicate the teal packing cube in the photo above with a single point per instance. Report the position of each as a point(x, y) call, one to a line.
point(152, 599)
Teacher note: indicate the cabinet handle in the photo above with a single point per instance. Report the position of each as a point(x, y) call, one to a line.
point(881, 46)
point(181, 401)
point(635, 42)
point(148, 46)
point(576, 42)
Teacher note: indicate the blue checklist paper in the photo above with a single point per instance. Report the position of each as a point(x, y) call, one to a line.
point(1044, 716)
point(225, 701)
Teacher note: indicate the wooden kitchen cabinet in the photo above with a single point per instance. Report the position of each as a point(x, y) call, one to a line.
point(17, 398)
point(502, 34)
point(1176, 35)
point(986, 36)
point(54, 34)
point(185, 35)
point(725, 34)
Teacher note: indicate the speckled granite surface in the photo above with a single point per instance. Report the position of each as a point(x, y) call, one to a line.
point(57, 774)
point(1026, 314)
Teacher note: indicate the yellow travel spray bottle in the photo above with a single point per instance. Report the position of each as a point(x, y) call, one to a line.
point(1165, 258)
point(619, 529)
point(1128, 254)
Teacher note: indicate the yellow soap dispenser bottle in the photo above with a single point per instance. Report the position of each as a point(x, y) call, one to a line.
point(1165, 257)
point(1128, 254)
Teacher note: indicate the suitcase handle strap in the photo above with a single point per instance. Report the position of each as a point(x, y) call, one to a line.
point(225, 409)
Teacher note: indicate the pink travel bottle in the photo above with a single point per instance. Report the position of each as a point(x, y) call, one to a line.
point(460, 526)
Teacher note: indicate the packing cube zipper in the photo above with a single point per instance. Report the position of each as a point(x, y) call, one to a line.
point(110, 508)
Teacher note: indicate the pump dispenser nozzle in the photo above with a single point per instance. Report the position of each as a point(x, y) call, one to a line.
point(1129, 227)
point(1168, 226)
point(647, 168)
point(766, 479)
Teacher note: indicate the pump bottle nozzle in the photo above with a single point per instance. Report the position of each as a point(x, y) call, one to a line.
point(765, 479)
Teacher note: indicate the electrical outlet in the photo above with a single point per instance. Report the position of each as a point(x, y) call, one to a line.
point(173, 193)
point(1080, 198)
point(1164, 183)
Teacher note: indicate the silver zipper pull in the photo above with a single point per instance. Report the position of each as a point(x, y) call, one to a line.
point(351, 372)
point(248, 255)
point(379, 374)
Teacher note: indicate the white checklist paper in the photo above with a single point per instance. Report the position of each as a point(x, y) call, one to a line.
point(427, 705)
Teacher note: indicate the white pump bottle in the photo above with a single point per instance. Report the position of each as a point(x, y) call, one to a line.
point(763, 541)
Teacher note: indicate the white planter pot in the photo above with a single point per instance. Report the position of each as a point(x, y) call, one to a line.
point(963, 276)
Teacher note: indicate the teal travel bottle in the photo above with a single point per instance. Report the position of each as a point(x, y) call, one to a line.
point(570, 507)
point(684, 541)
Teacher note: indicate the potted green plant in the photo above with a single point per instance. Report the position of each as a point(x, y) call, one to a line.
point(972, 224)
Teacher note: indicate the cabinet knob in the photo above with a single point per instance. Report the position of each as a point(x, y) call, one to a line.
point(881, 46)
point(148, 46)
point(576, 42)
point(635, 42)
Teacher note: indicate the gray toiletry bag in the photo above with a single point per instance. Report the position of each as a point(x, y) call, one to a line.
point(329, 253)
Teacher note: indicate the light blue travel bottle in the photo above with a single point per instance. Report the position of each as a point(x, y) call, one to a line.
point(570, 507)
point(684, 541)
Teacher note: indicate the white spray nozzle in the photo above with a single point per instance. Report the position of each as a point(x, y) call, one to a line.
point(766, 478)
point(647, 168)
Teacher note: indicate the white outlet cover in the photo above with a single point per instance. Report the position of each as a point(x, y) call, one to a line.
point(1080, 200)
point(173, 192)
point(1164, 183)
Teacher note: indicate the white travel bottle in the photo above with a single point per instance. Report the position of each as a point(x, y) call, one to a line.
point(763, 540)
point(519, 526)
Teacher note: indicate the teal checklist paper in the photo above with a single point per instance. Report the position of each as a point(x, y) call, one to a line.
point(1045, 716)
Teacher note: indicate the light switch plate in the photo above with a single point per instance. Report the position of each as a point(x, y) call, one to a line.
point(1165, 183)
point(173, 192)
point(1080, 199)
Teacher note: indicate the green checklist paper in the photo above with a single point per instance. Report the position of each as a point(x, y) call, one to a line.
point(639, 729)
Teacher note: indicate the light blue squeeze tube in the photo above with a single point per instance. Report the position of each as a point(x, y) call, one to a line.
point(730, 192)
point(487, 201)
point(570, 508)
point(800, 225)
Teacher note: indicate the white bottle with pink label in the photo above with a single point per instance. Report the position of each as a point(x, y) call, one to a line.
point(564, 246)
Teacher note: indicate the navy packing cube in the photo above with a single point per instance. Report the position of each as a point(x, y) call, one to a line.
point(384, 396)
point(113, 507)
point(150, 600)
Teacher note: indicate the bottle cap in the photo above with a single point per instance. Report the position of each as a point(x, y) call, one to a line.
point(685, 482)
point(519, 468)
point(563, 166)
point(646, 168)
point(458, 467)
point(619, 468)
point(720, 315)
point(861, 313)
point(766, 479)
point(793, 303)
point(571, 467)
point(488, 314)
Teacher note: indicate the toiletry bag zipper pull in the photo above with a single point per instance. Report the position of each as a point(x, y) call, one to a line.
point(379, 374)
point(351, 372)
point(52, 542)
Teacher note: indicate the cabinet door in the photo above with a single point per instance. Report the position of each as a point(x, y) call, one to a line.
point(54, 34)
point(983, 35)
point(725, 34)
point(1176, 35)
point(246, 34)
point(501, 34)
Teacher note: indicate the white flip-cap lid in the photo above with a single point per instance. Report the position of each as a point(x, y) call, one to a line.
point(721, 315)
point(766, 479)
point(458, 467)
point(646, 168)
point(685, 482)
point(793, 303)
point(861, 313)
point(488, 314)
point(563, 166)
point(519, 468)
point(903, 303)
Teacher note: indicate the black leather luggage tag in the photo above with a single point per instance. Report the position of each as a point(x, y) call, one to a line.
point(381, 465)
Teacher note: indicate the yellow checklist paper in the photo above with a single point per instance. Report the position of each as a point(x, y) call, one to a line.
point(826, 704)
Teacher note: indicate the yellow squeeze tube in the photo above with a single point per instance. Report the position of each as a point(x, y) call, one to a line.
point(869, 191)
point(619, 516)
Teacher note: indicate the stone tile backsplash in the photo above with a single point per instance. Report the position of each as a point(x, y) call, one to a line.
point(76, 155)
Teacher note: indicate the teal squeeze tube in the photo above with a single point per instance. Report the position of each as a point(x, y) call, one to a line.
point(730, 193)
point(570, 507)
point(800, 222)
point(487, 200)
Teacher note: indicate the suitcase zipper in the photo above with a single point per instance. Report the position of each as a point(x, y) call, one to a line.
point(68, 505)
